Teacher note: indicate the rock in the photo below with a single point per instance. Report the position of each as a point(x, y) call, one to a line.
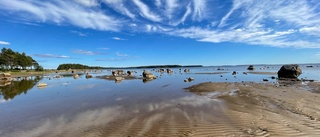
point(169, 71)
point(129, 73)
point(309, 66)
point(189, 79)
point(119, 78)
point(250, 67)
point(148, 75)
point(58, 76)
point(265, 79)
point(186, 70)
point(5, 75)
point(289, 71)
point(89, 76)
point(245, 73)
point(120, 72)
point(234, 73)
point(273, 77)
point(114, 73)
point(42, 84)
point(75, 76)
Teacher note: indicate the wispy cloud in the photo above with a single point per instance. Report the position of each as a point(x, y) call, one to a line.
point(50, 56)
point(79, 33)
point(62, 12)
point(145, 12)
point(118, 54)
point(199, 7)
point(4, 43)
point(86, 52)
point(112, 59)
point(117, 38)
point(88, 3)
point(120, 7)
point(279, 23)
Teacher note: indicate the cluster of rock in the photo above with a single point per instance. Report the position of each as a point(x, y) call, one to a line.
point(117, 72)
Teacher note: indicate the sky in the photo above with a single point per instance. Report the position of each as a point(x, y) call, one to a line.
point(121, 33)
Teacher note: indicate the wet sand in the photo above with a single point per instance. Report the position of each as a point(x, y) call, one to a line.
point(216, 109)
point(260, 109)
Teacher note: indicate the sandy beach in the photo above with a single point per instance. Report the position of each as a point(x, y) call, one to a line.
point(264, 109)
point(166, 106)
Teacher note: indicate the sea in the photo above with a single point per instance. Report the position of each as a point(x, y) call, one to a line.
point(81, 107)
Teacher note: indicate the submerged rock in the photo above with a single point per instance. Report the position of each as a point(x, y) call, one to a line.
point(289, 71)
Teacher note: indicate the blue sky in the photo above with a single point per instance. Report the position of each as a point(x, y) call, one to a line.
point(119, 33)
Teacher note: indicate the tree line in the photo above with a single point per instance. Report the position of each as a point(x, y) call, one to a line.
point(10, 60)
point(76, 66)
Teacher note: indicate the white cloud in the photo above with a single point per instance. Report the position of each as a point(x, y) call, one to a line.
point(62, 12)
point(314, 30)
point(117, 38)
point(79, 33)
point(120, 6)
point(4, 43)
point(267, 37)
point(145, 12)
point(112, 59)
point(199, 7)
point(51, 56)
point(86, 52)
point(88, 3)
point(118, 54)
point(171, 7)
point(278, 23)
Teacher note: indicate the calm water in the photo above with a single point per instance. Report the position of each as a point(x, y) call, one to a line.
point(72, 107)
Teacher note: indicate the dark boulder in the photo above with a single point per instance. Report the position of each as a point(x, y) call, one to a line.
point(289, 71)
point(250, 67)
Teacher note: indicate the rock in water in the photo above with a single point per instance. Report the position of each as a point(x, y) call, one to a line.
point(289, 71)
point(250, 67)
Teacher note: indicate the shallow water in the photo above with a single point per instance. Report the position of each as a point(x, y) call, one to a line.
point(98, 107)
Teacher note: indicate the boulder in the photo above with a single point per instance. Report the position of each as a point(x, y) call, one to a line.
point(234, 73)
point(189, 79)
point(42, 84)
point(5, 75)
point(169, 71)
point(114, 73)
point(250, 67)
point(120, 72)
point(289, 71)
point(129, 73)
point(89, 76)
point(75, 76)
point(119, 78)
point(186, 70)
point(148, 75)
